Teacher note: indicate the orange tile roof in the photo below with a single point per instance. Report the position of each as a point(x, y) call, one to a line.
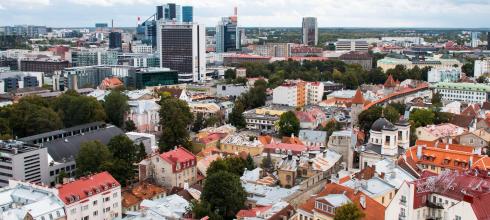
point(265, 139)
point(373, 210)
point(436, 144)
point(140, 192)
point(421, 86)
point(441, 157)
point(291, 140)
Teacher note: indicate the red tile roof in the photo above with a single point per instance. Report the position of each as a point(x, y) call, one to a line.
point(358, 97)
point(252, 212)
point(86, 186)
point(436, 144)
point(373, 210)
point(390, 82)
point(179, 155)
point(304, 116)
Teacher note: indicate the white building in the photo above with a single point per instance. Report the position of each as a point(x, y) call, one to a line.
point(465, 92)
point(141, 48)
point(475, 39)
point(182, 47)
point(298, 93)
point(10, 81)
point(21, 200)
point(231, 90)
point(24, 162)
point(352, 45)
point(482, 67)
point(436, 75)
point(386, 140)
point(450, 196)
point(145, 115)
point(92, 197)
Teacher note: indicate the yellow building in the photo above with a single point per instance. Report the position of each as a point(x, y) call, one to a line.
point(242, 142)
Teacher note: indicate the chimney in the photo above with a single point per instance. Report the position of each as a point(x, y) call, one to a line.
point(311, 155)
point(235, 11)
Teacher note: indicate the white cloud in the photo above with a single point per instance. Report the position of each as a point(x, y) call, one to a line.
point(29, 4)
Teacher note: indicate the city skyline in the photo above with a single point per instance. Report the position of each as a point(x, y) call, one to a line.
point(255, 13)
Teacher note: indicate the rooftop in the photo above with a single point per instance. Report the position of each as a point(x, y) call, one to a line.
point(86, 186)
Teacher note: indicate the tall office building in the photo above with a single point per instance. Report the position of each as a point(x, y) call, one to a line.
point(147, 30)
point(187, 14)
point(475, 39)
point(488, 40)
point(115, 40)
point(227, 34)
point(310, 31)
point(182, 47)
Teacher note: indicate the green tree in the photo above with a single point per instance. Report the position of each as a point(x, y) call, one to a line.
point(27, 118)
point(267, 163)
point(224, 192)
point(61, 176)
point(422, 117)
point(175, 119)
point(201, 209)
point(211, 121)
point(129, 126)
point(288, 124)
point(236, 117)
point(230, 74)
point(400, 107)
point(123, 148)
point(441, 117)
point(75, 109)
point(469, 68)
point(141, 152)
point(91, 157)
point(332, 126)
point(198, 122)
point(250, 164)
point(234, 165)
point(482, 79)
point(436, 100)
point(391, 114)
point(5, 130)
point(120, 170)
point(348, 211)
point(368, 116)
point(116, 106)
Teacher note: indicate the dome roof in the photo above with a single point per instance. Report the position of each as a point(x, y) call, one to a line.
point(380, 124)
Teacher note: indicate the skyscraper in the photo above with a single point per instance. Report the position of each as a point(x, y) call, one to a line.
point(115, 40)
point(228, 34)
point(310, 31)
point(488, 40)
point(182, 47)
point(475, 39)
point(187, 14)
point(146, 31)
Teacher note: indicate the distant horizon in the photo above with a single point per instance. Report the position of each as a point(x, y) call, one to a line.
point(453, 14)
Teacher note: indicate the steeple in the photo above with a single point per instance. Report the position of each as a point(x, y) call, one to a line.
point(390, 82)
point(358, 97)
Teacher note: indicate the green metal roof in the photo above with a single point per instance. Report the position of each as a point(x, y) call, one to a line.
point(463, 86)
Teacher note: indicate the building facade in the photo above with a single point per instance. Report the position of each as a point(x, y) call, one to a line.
point(309, 31)
point(436, 75)
point(465, 92)
point(482, 67)
point(227, 34)
point(182, 47)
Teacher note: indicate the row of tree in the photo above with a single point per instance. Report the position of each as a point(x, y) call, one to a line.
point(331, 70)
point(33, 114)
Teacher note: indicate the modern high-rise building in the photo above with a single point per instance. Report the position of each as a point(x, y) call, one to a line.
point(475, 39)
point(187, 14)
point(488, 40)
point(147, 30)
point(115, 40)
point(310, 31)
point(182, 47)
point(227, 34)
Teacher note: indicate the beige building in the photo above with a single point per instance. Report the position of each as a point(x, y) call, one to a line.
point(242, 142)
point(437, 132)
point(390, 62)
point(175, 168)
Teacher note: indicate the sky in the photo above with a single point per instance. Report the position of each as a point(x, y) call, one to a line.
point(256, 13)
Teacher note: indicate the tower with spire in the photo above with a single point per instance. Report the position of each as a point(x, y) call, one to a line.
point(357, 106)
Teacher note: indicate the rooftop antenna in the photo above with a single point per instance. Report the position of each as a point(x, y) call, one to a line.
point(112, 24)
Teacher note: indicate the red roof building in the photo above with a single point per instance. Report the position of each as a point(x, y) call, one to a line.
point(358, 97)
point(175, 168)
point(390, 82)
point(81, 194)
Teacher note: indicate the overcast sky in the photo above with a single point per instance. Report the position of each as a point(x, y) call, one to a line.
point(257, 13)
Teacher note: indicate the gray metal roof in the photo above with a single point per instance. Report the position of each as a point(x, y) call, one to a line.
point(67, 148)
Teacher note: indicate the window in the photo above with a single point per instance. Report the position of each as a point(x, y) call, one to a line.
point(387, 140)
point(85, 207)
point(403, 200)
point(95, 203)
point(95, 213)
point(107, 199)
point(73, 211)
point(458, 217)
point(114, 195)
